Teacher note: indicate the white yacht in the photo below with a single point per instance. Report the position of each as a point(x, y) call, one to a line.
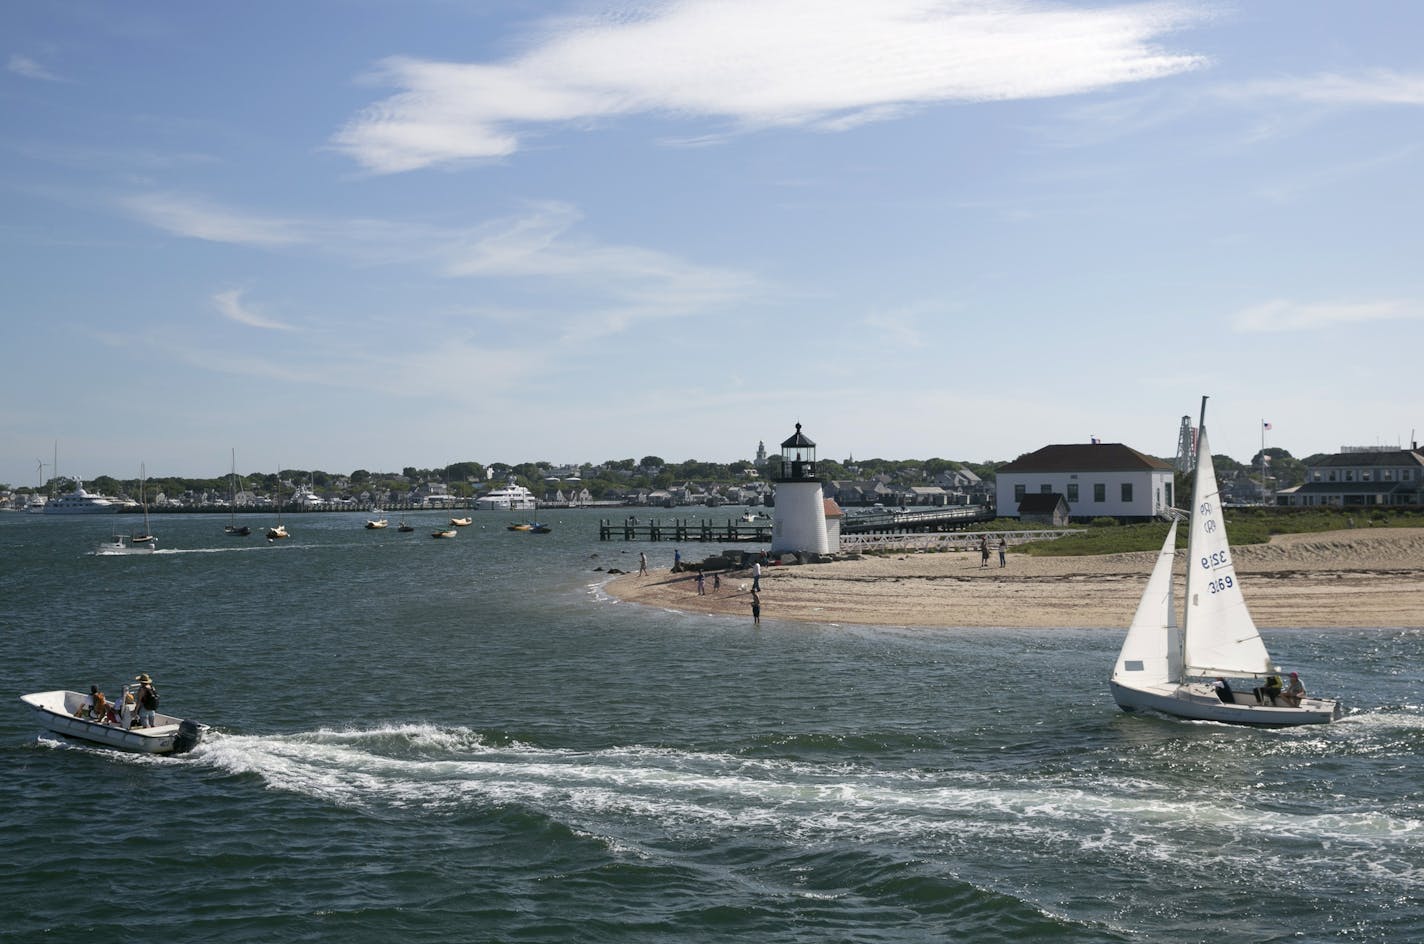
point(81, 502)
point(510, 498)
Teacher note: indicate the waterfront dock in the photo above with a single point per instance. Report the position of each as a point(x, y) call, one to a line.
point(681, 529)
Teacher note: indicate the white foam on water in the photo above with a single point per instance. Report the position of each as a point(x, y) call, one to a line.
point(605, 793)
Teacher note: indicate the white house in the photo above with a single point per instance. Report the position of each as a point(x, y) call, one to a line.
point(1096, 480)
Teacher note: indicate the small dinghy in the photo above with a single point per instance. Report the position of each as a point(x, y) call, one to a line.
point(59, 713)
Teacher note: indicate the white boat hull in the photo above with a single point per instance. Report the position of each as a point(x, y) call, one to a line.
point(55, 713)
point(1198, 701)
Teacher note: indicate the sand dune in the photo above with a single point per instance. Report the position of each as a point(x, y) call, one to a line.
point(1356, 578)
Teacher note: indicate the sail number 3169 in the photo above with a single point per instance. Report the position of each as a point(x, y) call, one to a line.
point(1220, 585)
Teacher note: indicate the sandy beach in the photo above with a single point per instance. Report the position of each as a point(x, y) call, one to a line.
point(1336, 579)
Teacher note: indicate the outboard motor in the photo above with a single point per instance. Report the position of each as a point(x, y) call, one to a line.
point(189, 734)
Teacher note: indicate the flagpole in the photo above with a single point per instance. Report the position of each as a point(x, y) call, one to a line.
point(1263, 460)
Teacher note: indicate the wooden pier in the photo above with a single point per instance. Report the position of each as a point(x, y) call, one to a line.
point(681, 529)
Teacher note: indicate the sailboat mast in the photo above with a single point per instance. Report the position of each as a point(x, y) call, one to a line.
point(1194, 510)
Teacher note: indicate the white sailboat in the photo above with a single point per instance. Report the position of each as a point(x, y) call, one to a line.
point(1171, 670)
point(142, 543)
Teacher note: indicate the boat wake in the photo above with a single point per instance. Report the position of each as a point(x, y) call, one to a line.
point(637, 797)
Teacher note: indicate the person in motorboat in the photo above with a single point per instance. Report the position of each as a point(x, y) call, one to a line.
point(1269, 691)
point(147, 700)
point(95, 707)
point(1224, 692)
point(1294, 692)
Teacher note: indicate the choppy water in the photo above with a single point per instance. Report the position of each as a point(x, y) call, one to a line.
point(462, 740)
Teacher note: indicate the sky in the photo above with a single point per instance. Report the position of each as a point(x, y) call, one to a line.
point(371, 234)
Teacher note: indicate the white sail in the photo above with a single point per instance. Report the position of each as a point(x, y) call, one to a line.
point(1219, 636)
point(1149, 654)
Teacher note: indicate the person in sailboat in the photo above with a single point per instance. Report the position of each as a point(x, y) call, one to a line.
point(1224, 692)
point(1269, 691)
point(1295, 691)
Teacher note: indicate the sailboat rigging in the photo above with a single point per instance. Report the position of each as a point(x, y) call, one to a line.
point(233, 528)
point(1169, 668)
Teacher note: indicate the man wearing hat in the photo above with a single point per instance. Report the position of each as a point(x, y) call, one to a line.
point(147, 700)
point(1294, 692)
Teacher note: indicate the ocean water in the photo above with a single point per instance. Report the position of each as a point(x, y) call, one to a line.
point(419, 740)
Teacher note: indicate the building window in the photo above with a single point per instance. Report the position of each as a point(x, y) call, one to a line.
point(1019, 493)
point(1169, 494)
point(1045, 490)
point(1126, 492)
point(1365, 475)
point(1072, 492)
point(1100, 492)
point(1349, 475)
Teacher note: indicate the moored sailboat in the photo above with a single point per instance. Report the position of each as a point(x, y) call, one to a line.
point(233, 528)
point(1183, 671)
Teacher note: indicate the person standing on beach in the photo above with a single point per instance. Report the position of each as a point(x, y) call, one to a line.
point(676, 560)
point(984, 551)
point(1003, 547)
point(756, 577)
point(642, 563)
point(716, 580)
point(756, 609)
point(701, 584)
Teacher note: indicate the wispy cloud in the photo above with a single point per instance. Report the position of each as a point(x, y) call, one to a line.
point(758, 64)
point(1281, 315)
point(230, 305)
point(542, 249)
point(200, 219)
point(1376, 87)
point(624, 284)
point(30, 69)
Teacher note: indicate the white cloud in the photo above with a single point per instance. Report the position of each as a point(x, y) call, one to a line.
point(198, 219)
point(1281, 315)
point(230, 305)
point(1378, 87)
point(624, 284)
point(30, 69)
point(761, 63)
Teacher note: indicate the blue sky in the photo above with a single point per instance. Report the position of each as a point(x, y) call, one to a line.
point(369, 234)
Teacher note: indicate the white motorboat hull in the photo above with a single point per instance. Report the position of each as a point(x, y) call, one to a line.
point(1198, 701)
point(170, 735)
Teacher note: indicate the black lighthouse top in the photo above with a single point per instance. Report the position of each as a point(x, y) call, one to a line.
point(798, 459)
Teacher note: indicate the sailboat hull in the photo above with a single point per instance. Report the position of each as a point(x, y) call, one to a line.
point(1198, 701)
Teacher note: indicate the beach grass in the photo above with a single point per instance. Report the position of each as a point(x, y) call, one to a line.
point(1246, 526)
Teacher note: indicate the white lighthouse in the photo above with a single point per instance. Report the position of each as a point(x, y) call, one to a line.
point(800, 522)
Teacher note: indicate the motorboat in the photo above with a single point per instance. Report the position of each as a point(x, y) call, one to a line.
point(127, 544)
point(82, 502)
point(444, 534)
point(375, 524)
point(403, 527)
point(462, 522)
point(526, 526)
point(511, 497)
point(59, 712)
point(277, 532)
